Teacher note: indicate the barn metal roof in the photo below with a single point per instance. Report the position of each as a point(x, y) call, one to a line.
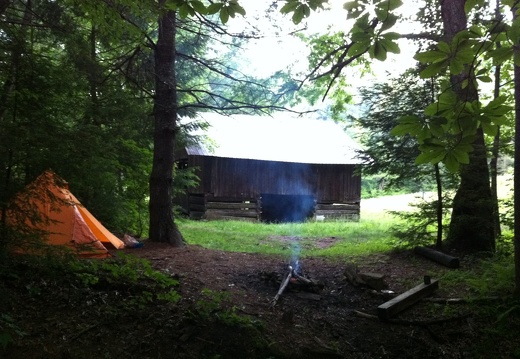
point(280, 137)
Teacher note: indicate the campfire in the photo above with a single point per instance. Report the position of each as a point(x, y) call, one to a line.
point(295, 278)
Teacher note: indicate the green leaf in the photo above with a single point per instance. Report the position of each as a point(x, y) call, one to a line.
point(456, 66)
point(477, 30)
point(430, 56)
point(451, 163)
point(224, 15)
point(391, 35)
point(448, 97)
point(183, 11)
point(466, 125)
point(381, 14)
point(315, 4)
point(465, 54)
point(407, 124)
point(482, 71)
point(214, 8)
point(467, 141)
point(390, 46)
point(393, 4)
point(489, 128)
point(433, 70)
point(361, 24)
point(432, 109)
point(361, 36)
point(514, 31)
point(444, 47)
point(238, 9)
point(430, 154)
point(289, 6)
point(469, 5)
point(377, 51)
point(306, 10)
point(199, 7)
point(501, 55)
point(460, 155)
point(388, 22)
point(350, 5)
point(354, 14)
point(358, 48)
point(298, 14)
point(485, 79)
point(436, 130)
point(470, 107)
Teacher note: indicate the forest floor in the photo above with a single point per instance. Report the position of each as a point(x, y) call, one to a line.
point(226, 310)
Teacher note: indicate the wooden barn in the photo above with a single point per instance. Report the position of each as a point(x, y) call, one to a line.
point(278, 168)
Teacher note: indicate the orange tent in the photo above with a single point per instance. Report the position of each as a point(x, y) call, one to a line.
point(47, 205)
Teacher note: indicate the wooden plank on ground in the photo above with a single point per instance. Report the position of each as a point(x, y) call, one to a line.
point(389, 309)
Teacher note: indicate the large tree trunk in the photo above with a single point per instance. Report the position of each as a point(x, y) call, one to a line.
point(472, 222)
point(495, 150)
point(516, 171)
point(7, 91)
point(162, 225)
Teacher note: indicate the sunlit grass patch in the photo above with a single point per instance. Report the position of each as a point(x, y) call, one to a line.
point(333, 238)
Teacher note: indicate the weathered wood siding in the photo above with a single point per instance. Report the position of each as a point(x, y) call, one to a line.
point(241, 178)
point(232, 188)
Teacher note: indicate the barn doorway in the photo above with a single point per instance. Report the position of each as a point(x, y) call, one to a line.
point(281, 208)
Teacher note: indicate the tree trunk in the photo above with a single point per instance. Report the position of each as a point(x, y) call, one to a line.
point(162, 224)
point(440, 204)
point(472, 227)
point(9, 89)
point(516, 170)
point(495, 150)
point(493, 163)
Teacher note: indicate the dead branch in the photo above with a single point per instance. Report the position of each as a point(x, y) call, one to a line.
point(365, 315)
point(461, 300)
point(282, 287)
point(302, 279)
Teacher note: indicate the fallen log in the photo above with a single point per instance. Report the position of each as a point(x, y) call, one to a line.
point(439, 257)
point(389, 309)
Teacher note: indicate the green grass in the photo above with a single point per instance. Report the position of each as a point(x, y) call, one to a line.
point(332, 238)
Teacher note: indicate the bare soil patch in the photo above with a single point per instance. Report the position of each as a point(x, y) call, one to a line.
point(336, 322)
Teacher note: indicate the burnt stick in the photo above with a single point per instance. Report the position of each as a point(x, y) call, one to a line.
point(282, 286)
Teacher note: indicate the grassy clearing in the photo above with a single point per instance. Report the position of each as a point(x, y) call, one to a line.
point(312, 238)
point(485, 277)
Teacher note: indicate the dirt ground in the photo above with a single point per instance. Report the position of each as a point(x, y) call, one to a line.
point(335, 319)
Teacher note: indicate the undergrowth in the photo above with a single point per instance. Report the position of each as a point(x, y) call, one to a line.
point(116, 286)
point(215, 306)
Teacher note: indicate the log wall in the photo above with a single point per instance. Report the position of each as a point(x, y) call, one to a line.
point(349, 211)
point(231, 188)
point(220, 208)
